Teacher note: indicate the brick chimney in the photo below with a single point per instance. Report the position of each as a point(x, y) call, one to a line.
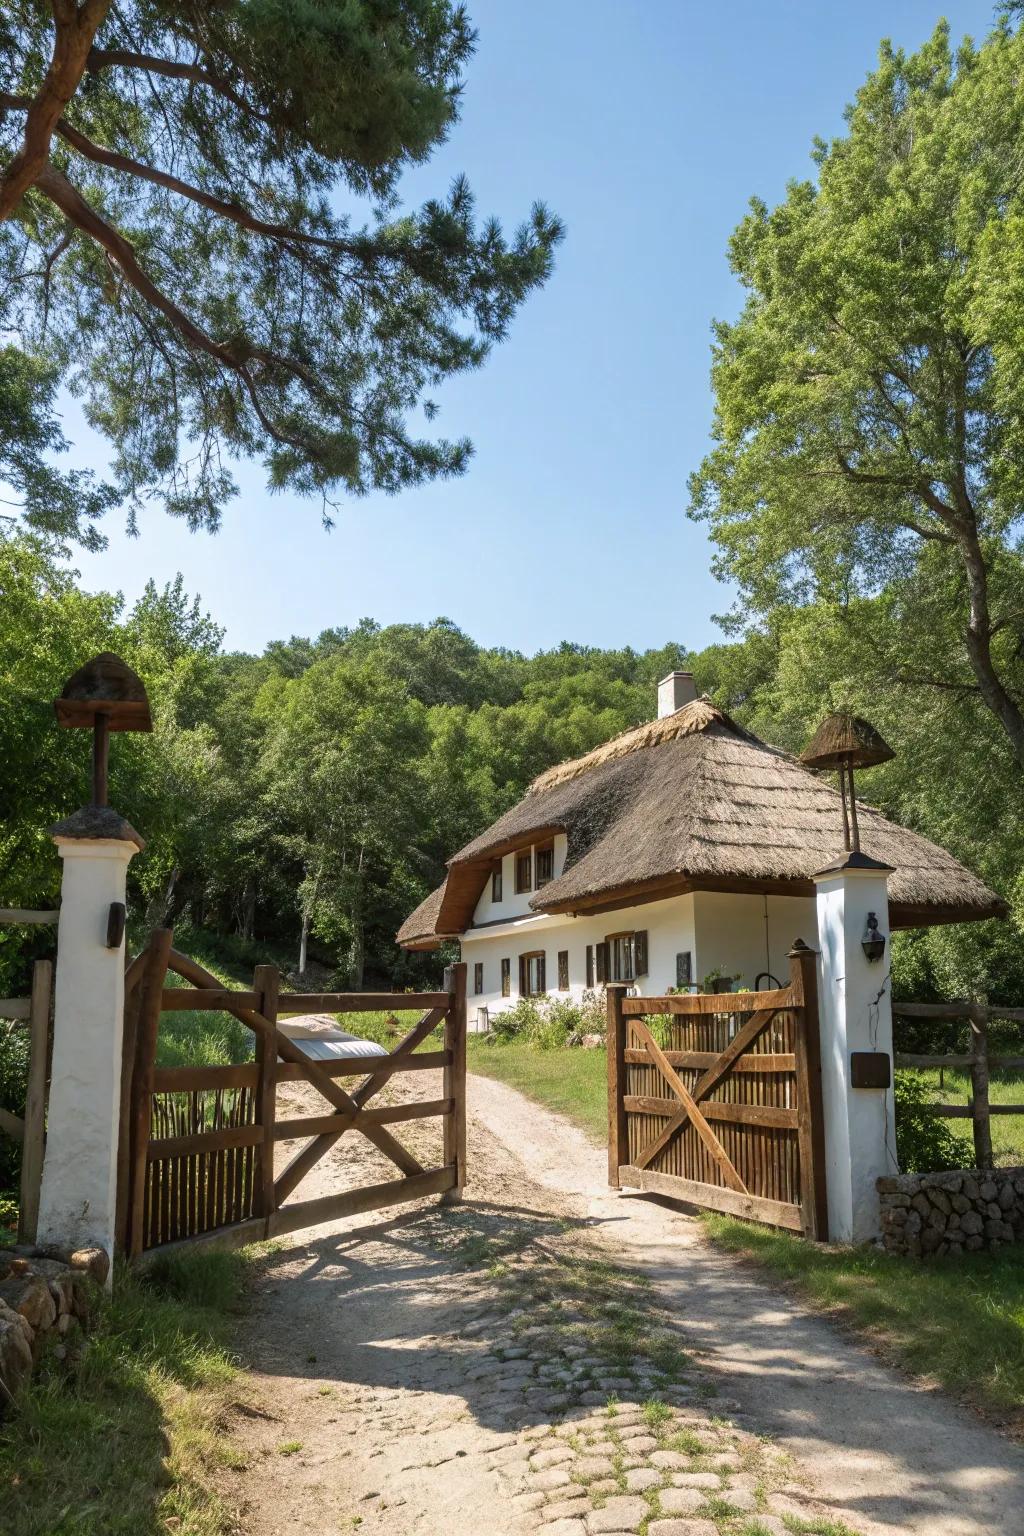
point(674, 691)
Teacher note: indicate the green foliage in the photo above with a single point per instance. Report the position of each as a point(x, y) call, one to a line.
point(181, 263)
point(549, 1023)
point(924, 1142)
point(865, 480)
point(13, 1087)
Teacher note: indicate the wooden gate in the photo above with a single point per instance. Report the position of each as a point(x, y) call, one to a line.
point(196, 1152)
point(725, 1112)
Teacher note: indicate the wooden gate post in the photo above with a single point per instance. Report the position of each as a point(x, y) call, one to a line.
point(980, 1113)
point(803, 974)
point(35, 1099)
point(148, 1028)
point(618, 1138)
point(266, 983)
point(454, 1088)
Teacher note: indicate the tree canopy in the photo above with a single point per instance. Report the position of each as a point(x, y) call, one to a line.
point(869, 415)
point(201, 234)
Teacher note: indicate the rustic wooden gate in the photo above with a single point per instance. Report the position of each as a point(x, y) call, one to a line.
point(726, 1111)
point(196, 1153)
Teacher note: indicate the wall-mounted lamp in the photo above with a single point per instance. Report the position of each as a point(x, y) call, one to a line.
point(873, 942)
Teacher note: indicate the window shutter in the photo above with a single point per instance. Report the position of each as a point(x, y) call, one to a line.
point(542, 978)
point(506, 978)
point(640, 951)
point(590, 966)
point(523, 989)
point(601, 955)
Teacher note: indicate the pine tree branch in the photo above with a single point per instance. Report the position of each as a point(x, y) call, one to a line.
point(75, 26)
point(171, 69)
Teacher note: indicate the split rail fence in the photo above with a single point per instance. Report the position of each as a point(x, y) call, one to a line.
point(724, 1109)
point(197, 1144)
point(978, 1062)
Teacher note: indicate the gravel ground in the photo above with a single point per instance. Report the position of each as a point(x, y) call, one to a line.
point(553, 1357)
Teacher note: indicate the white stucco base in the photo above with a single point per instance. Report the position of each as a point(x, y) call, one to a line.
point(77, 1200)
point(856, 1015)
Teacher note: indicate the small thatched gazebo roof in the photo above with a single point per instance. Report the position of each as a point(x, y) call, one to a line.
point(694, 802)
point(844, 738)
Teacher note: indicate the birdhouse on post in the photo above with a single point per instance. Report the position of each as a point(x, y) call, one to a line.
point(105, 695)
point(77, 1203)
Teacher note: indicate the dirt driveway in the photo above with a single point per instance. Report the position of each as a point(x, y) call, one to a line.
point(553, 1357)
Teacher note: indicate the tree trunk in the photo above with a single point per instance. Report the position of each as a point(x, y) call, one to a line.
point(303, 940)
point(978, 638)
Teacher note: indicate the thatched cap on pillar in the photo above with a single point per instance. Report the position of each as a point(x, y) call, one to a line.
point(97, 823)
point(844, 738)
point(105, 686)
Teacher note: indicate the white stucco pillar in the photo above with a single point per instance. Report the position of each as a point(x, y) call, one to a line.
point(856, 1016)
point(79, 1185)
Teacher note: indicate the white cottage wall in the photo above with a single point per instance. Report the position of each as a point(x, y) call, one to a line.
point(669, 926)
point(745, 935)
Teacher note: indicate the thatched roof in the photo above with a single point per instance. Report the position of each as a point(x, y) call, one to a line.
point(846, 738)
point(694, 802)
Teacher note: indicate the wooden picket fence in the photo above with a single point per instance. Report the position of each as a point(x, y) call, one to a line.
point(196, 1150)
point(978, 1062)
point(726, 1112)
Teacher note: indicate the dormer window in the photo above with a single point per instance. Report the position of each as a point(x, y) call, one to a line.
point(545, 861)
point(496, 882)
point(524, 872)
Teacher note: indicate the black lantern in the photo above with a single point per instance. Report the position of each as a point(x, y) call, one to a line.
point(873, 942)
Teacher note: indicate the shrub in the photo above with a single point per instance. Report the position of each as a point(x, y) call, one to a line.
point(924, 1143)
point(13, 1086)
point(550, 1023)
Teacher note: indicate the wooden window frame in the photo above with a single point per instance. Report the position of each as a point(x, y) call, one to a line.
point(590, 968)
point(506, 978)
point(478, 978)
point(563, 970)
point(496, 882)
point(521, 858)
point(547, 852)
point(615, 943)
point(525, 990)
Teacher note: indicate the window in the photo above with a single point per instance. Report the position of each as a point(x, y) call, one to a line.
point(478, 978)
point(563, 970)
point(545, 859)
point(524, 872)
point(506, 978)
point(620, 957)
point(532, 973)
point(496, 882)
point(590, 967)
point(627, 955)
point(684, 968)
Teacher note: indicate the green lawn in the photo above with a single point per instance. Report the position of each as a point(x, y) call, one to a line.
point(573, 1082)
point(1007, 1130)
point(959, 1321)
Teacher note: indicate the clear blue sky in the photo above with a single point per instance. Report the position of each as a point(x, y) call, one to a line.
point(647, 125)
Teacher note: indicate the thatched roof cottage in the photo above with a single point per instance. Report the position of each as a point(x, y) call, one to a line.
point(682, 849)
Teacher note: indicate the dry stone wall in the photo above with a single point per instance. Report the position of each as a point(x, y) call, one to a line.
point(951, 1213)
point(46, 1300)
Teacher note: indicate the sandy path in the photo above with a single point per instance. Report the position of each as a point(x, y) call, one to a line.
point(399, 1394)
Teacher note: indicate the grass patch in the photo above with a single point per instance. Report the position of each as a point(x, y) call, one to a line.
point(572, 1082)
point(960, 1321)
point(384, 1027)
point(128, 1444)
point(1007, 1130)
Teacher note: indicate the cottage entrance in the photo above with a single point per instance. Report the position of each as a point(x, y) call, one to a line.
point(716, 1100)
point(196, 1149)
